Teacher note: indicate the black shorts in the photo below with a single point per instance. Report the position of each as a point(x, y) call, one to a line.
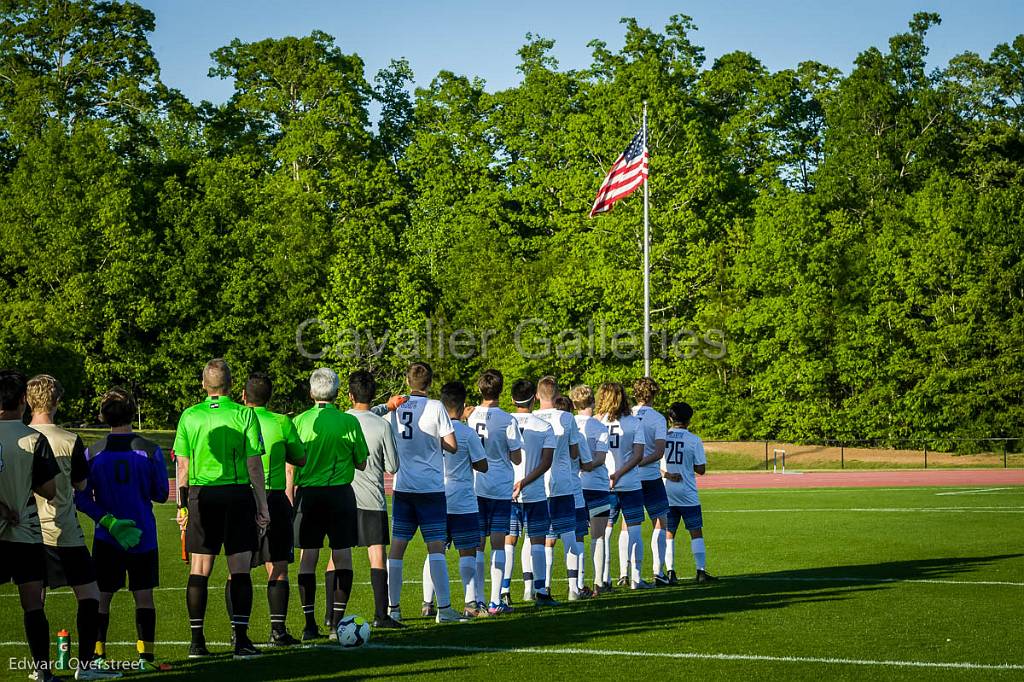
point(69, 566)
point(278, 543)
point(373, 527)
point(328, 511)
point(223, 515)
point(113, 563)
point(22, 562)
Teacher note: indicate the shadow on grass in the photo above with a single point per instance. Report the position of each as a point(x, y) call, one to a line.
point(428, 648)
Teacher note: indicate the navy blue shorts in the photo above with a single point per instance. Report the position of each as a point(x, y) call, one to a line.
point(629, 503)
point(562, 513)
point(582, 522)
point(691, 516)
point(426, 511)
point(495, 516)
point(530, 519)
point(655, 498)
point(464, 530)
point(599, 502)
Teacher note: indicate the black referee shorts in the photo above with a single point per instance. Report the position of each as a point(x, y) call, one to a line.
point(328, 511)
point(223, 515)
point(22, 562)
point(373, 527)
point(278, 543)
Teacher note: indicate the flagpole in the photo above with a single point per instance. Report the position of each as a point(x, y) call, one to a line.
point(647, 270)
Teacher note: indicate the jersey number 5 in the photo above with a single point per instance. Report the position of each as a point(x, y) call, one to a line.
point(481, 430)
point(613, 437)
point(406, 419)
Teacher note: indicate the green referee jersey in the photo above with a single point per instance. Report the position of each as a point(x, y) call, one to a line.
point(281, 444)
point(218, 436)
point(334, 445)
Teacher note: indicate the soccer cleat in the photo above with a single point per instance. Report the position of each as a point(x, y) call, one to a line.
point(395, 613)
point(428, 610)
point(586, 593)
point(449, 615)
point(703, 577)
point(245, 650)
point(43, 676)
point(481, 606)
point(282, 639)
point(471, 612)
point(310, 634)
point(387, 623)
point(622, 582)
point(198, 650)
point(506, 600)
point(574, 595)
point(91, 672)
point(498, 609)
point(145, 666)
point(543, 599)
point(641, 585)
point(672, 579)
point(661, 581)
point(608, 587)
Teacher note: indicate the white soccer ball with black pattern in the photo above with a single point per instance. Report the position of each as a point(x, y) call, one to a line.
point(353, 632)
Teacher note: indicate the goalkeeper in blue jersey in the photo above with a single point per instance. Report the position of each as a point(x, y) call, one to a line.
point(127, 475)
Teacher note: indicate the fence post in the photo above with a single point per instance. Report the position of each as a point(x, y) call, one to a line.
point(926, 455)
point(842, 455)
point(1004, 454)
point(766, 455)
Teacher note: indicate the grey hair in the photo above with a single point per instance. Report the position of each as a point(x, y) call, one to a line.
point(323, 385)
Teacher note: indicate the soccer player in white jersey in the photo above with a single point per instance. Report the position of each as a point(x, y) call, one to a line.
point(655, 500)
point(684, 457)
point(558, 481)
point(595, 483)
point(499, 432)
point(626, 443)
point(582, 463)
point(423, 433)
point(463, 516)
point(530, 513)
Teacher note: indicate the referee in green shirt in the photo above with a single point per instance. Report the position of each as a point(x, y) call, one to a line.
point(222, 501)
point(325, 504)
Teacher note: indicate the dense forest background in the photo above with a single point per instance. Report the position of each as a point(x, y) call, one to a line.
point(855, 238)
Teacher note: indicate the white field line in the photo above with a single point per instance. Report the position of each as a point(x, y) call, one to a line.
point(854, 579)
point(685, 655)
point(788, 491)
point(885, 510)
point(976, 491)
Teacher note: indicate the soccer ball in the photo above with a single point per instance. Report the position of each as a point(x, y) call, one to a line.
point(353, 632)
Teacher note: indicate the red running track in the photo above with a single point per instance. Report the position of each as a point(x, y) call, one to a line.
point(864, 479)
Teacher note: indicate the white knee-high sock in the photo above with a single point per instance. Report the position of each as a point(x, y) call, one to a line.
point(624, 553)
point(549, 556)
point(497, 573)
point(607, 554)
point(670, 553)
point(526, 556)
point(394, 582)
point(597, 548)
point(439, 574)
point(540, 570)
point(657, 549)
point(467, 570)
point(572, 560)
point(428, 583)
point(480, 567)
point(510, 563)
point(636, 551)
point(699, 553)
point(581, 563)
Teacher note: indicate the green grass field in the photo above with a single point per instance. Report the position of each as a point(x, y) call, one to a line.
point(922, 583)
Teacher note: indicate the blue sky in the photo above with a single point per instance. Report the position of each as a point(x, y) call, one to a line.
point(481, 38)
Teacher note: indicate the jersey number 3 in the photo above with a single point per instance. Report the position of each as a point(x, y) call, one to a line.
point(406, 419)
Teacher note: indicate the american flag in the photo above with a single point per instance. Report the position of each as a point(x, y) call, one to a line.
point(628, 173)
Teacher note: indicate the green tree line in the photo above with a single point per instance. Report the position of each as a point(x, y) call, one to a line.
point(839, 253)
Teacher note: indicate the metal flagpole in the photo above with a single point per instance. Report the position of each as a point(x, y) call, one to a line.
point(647, 271)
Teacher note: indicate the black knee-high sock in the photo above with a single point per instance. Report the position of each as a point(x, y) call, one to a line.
point(88, 628)
point(329, 578)
point(379, 581)
point(277, 600)
point(342, 590)
point(241, 600)
point(227, 600)
point(195, 597)
point(307, 596)
point(103, 620)
point(37, 632)
point(145, 629)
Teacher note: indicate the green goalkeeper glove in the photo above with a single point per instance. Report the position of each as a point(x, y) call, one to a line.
point(122, 530)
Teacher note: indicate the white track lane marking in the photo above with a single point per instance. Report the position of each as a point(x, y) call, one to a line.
point(686, 655)
point(976, 491)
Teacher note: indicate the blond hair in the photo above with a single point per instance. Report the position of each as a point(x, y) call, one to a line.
point(547, 388)
point(582, 397)
point(44, 392)
point(611, 401)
